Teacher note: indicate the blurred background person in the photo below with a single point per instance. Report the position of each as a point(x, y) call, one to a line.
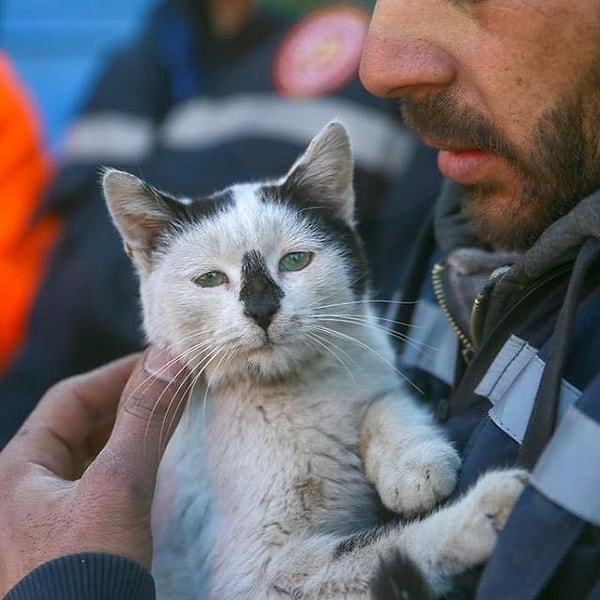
point(211, 92)
point(25, 240)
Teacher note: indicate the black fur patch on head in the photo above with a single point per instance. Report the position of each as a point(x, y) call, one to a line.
point(200, 208)
point(259, 294)
point(322, 216)
point(184, 215)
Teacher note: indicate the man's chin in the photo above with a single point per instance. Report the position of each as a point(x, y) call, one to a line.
point(500, 221)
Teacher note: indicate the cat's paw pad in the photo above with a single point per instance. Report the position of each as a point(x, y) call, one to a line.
point(416, 480)
point(485, 509)
point(497, 492)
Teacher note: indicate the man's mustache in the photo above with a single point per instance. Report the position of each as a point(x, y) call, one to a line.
point(439, 119)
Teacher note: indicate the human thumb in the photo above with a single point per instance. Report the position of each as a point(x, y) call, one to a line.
point(151, 405)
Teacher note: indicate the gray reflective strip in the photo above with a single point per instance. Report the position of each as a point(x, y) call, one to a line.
point(511, 384)
point(379, 142)
point(568, 472)
point(432, 344)
point(109, 136)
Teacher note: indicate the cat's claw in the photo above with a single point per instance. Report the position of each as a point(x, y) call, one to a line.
point(416, 480)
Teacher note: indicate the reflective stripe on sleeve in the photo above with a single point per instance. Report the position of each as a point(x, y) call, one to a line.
point(379, 143)
point(568, 472)
point(109, 136)
point(511, 384)
point(431, 346)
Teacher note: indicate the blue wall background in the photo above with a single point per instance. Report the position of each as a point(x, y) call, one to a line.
point(58, 46)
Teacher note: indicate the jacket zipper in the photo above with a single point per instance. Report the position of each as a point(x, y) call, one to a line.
point(479, 306)
point(475, 320)
point(466, 345)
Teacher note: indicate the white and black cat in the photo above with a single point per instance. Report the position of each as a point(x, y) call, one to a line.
point(297, 418)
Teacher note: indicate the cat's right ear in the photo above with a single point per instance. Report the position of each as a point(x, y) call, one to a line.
point(140, 212)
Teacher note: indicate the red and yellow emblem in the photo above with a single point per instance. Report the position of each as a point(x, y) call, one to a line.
point(321, 53)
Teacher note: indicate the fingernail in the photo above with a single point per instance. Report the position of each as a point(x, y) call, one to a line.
point(162, 365)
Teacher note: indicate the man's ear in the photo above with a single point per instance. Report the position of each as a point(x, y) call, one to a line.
point(141, 213)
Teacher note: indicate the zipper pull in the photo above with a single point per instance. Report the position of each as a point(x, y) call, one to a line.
point(481, 303)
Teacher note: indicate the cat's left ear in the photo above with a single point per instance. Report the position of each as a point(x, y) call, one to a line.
point(323, 176)
point(141, 213)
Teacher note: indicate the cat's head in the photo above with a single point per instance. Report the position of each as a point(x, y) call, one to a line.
point(243, 280)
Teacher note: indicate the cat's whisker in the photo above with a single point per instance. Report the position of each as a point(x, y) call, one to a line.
point(362, 302)
point(180, 357)
point(366, 346)
point(182, 393)
point(190, 381)
point(371, 324)
point(225, 355)
point(327, 345)
point(195, 352)
point(177, 358)
point(349, 284)
point(209, 331)
point(367, 301)
point(315, 305)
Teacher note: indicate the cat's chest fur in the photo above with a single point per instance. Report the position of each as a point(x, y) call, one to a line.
point(252, 466)
point(290, 451)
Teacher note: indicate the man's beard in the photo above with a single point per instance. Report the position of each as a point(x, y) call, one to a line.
point(561, 167)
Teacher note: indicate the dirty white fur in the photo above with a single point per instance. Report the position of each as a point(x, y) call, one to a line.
point(272, 466)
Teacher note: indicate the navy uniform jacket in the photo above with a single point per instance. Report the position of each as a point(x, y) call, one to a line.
point(516, 382)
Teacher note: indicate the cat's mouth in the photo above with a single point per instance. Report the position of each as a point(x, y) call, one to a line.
point(267, 344)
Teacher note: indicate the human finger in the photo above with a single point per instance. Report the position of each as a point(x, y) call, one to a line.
point(59, 432)
point(151, 405)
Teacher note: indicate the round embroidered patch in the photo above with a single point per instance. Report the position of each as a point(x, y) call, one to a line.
point(321, 52)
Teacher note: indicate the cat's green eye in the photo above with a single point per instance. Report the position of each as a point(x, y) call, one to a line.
point(211, 279)
point(295, 261)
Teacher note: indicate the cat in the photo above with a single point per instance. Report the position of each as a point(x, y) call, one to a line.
point(297, 420)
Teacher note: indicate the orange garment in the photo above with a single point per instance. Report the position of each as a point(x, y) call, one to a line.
point(24, 244)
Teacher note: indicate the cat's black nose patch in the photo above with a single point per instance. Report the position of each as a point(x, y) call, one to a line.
point(259, 294)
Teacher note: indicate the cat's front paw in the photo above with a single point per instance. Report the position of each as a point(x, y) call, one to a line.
point(483, 511)
point(413, 481)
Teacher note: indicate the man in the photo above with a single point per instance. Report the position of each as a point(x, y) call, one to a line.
point(507, 91)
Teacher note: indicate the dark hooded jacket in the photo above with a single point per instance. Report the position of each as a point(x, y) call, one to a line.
point(517, 382)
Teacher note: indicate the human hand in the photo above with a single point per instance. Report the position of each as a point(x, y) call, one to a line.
point(80, 473)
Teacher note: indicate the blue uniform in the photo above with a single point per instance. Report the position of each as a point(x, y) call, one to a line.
point(507, 348)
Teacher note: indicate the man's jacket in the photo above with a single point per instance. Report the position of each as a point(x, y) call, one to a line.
point(508, 349)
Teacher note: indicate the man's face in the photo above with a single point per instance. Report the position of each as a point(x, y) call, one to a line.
point(508, 91)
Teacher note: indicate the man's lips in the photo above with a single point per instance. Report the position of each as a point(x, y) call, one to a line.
point(464, 165)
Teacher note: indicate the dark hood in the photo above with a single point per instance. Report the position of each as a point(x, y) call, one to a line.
point(558, 245)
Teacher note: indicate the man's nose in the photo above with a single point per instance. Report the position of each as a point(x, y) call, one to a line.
point(404, 53)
